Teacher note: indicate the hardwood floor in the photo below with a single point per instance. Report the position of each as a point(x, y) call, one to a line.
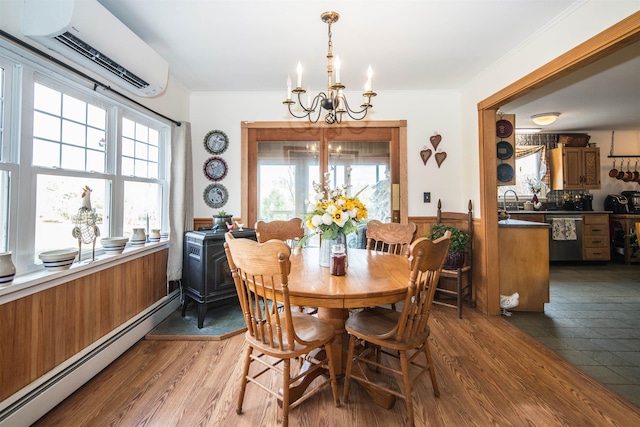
point(489, 372)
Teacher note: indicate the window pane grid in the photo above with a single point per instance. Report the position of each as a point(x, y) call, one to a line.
point(63, 120)
point(139, 150)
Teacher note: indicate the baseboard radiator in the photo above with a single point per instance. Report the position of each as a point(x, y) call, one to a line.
point(32, 402)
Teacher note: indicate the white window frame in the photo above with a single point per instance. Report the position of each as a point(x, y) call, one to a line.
point(25, 70)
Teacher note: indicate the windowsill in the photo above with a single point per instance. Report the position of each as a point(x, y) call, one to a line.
point(30, 283)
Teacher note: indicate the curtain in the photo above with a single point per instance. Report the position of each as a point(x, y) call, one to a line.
point(531, 143)
point(180, 197)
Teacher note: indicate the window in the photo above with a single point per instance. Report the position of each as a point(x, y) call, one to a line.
point(73, 137)
point(529, 169)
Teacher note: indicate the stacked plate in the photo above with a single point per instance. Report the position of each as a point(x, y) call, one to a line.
point(114, 245)
point(59, 259)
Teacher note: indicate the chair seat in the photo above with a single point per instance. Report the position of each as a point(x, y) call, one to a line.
point(454, 273)
point(314, 331)
point(377, 322)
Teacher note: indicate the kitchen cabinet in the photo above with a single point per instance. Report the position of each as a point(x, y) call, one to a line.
point(595, 238)
point(575, 168)
point(524, 262)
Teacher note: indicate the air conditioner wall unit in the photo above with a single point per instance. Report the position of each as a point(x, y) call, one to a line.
point(85, 32)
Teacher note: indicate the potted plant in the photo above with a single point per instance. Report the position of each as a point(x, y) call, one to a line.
point(222, 219)
point(457, 249)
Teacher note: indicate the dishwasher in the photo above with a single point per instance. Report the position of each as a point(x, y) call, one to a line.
point(565, 250)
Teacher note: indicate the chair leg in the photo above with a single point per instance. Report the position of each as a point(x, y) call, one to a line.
point(432, 370)
point(347, 375)
point(245, 373)
point(286, 386)
point(404, 364)
point(459, 284)
point(332, 375)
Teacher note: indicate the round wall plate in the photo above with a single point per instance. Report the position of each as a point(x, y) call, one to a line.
point(215, 168)
point(216, 142)
point(505, 172)
point(504, 150)
point(504, 128)
point(215, 195)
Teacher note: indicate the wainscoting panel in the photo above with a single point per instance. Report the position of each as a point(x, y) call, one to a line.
point(42, 330)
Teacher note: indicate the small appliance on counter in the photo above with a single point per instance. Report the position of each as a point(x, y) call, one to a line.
point(587, 202)
point(633, 200)
point(616, 203)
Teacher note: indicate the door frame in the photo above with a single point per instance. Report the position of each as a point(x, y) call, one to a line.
point(399, 135)
point(614, 38)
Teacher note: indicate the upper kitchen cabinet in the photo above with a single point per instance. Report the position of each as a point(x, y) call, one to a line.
point(575, 168)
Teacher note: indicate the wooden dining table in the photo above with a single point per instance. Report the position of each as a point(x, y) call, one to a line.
point(372, 279)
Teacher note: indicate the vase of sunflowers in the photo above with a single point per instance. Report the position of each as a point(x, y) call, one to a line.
point(333, 215)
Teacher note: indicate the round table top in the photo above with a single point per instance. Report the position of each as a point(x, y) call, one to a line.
point(372, 279)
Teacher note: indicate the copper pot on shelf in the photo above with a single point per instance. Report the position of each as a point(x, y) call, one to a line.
point(613, 173)
point(628, 175)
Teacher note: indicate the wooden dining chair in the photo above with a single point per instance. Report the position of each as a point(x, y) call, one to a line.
point(289, 231)
point(260, 272)
point(390, 237)
point(456, 283)
point(405, 332)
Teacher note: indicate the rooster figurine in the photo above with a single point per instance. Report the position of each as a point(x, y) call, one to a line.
point(86, 230)
point(508, 301)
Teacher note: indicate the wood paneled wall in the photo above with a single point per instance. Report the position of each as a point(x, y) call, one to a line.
point(40, 331)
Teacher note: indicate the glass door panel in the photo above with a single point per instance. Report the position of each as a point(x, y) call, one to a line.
point(365, 167)
point(286, 171)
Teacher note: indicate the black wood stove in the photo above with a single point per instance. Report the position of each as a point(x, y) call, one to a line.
point(206, 277)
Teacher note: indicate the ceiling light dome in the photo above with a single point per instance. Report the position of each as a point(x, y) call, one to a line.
point(544, 119)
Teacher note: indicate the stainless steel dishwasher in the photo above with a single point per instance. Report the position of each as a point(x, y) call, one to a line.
point(565, 250)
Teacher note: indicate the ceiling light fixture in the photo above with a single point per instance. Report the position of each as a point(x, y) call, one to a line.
point(544, 119)
point(334, 101)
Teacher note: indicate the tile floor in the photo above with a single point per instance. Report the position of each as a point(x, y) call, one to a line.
point(593, 321)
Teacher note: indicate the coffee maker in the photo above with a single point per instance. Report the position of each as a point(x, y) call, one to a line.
point(587, 202)
point(633, 200)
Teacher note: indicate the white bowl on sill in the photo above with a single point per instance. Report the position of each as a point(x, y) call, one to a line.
point(114, 245)
point(58, 259)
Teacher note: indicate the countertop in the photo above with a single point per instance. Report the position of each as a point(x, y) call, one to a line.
point(559, 212)
point(516, 223)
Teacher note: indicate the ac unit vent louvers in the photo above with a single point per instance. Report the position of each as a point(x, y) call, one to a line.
point(100, 59)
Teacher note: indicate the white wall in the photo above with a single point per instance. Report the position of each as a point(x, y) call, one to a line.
point(426, 112)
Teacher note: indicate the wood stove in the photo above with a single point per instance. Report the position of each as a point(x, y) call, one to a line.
point(206, 277)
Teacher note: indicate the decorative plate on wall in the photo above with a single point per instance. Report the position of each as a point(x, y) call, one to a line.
point(216, 142)
point(505, 172)
point(215, 168)
point(215, 195)
point(504, 128)
point(504, 150)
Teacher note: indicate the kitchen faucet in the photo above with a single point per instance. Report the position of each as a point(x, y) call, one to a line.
point(504, 199)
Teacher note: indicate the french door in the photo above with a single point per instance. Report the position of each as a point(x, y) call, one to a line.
point(280, 165)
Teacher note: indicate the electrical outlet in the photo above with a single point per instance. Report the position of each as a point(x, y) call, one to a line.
point(426, 197)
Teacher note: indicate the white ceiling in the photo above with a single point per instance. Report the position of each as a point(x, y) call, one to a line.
point(253, 45)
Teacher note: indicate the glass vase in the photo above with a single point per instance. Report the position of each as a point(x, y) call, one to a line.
point(327, 244)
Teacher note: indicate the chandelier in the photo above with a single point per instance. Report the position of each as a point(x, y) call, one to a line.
point(334, 100)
